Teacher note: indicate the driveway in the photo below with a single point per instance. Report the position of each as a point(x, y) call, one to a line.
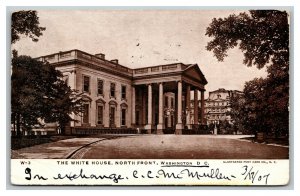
point(155, 147)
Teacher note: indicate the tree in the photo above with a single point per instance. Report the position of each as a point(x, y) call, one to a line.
point(26, 23)
point(38, 92)
point(254, 108)
point(236, 111)
point(263, 37)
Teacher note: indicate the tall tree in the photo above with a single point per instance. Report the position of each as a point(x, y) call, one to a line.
point(263, 37)
point(25, 23)
point(38, 92)
point(236, 111)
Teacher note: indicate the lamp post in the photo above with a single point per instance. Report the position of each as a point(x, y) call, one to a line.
point(215, 128)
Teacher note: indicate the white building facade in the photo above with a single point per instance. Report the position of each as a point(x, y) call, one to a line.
point(117, 97)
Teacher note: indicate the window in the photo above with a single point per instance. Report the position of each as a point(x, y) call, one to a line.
point(172, 120)
point(137, 97)
point(137, 117)
point(172, 102)
point(86, 84)
point(100, 115)
point(112, 117)
point(100, 87)
point(123, 119)
point(112, 90)
point(166, 102)
point(123, 92)
point(85, 117)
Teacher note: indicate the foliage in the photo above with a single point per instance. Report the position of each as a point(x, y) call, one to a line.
point(263, 37)
point(236, 112)
point(38, 92)
point(26, 23)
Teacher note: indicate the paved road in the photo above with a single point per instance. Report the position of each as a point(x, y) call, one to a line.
point(156, 147)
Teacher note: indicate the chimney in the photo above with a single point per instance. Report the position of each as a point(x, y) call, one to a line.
point(100, 55)
point(115, 61)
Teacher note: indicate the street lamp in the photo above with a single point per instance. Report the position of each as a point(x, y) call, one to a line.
point(215, 128)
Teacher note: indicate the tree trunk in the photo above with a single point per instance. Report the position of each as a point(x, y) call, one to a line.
point(18, 125)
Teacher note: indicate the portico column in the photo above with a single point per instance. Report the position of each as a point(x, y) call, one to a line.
point(202, 107)
point(160, 125)
point(188, 106)
point(196, 107)
point(133, 118)
point(143, 95)
point(179, 109)
point(72, 84)
point(149, 124)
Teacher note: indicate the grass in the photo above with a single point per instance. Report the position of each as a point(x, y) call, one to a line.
point(271, 140)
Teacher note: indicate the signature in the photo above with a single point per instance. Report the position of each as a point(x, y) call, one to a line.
point(248, 173)
point(185, 173)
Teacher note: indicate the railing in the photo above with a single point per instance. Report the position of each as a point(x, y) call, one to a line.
point(141, 71)
point(154, 69)
point(65, 55)
point(76, 54)
point(169, 67)
point(160, 68)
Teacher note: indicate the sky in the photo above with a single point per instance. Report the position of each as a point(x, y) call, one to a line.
point(140, 38)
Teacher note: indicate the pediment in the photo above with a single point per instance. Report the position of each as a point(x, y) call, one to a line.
point(113, 102)
point(100, 100)
point(124, 105)
point(86, 98)
point(194, 72)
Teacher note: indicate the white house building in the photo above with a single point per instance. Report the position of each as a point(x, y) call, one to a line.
point(117, 97)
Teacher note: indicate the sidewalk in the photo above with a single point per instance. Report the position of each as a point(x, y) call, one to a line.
point(54, 150)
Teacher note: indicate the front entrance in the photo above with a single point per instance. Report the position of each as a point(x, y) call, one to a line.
point(169, 125)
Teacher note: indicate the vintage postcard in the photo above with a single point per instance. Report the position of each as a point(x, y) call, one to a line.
point(150, 96)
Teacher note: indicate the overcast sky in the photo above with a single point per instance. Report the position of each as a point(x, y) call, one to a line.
point(142, 38)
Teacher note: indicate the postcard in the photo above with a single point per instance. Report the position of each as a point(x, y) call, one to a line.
point(150, 96)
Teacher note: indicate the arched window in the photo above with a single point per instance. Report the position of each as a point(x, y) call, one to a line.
point(124, 107)
point(112, 113)
point(100, 105)
point(86, 110)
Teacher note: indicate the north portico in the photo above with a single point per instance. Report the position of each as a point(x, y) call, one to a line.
point(156, 99)
point(155, 83)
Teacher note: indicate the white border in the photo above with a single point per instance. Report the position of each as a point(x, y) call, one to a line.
point(3, 71)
